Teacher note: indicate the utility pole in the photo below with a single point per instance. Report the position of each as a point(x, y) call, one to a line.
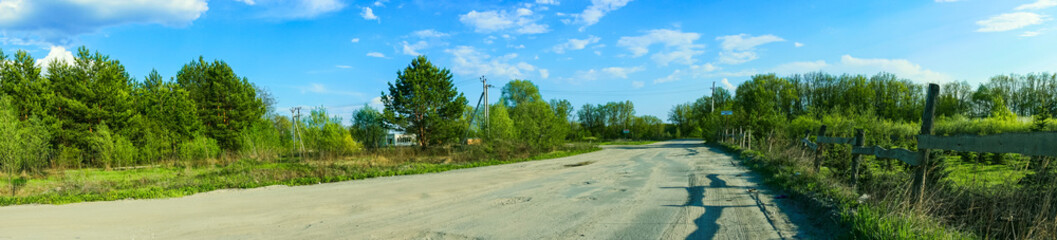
point(296, 111)
point(713, 97)
point(484, 84)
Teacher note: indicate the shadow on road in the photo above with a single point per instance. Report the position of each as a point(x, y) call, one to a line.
point(681, 143)
point(708, 223)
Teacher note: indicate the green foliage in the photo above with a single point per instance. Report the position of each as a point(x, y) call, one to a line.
point(424, 101)
point(101, 146)
point(125, 154)
point(500, 127)
point(23, 144)
point(262, 140)
point(537, 125)
point(200, 147)
point(226, 103)
point(368, 125)
point(92, 90)
point(519, 91)
point(326, 136)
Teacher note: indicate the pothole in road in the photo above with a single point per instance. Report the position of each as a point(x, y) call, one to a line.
point(579, 164)
point(513, 200)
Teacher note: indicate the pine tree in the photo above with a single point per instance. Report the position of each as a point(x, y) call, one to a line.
point(226, 103)
point(424, 101)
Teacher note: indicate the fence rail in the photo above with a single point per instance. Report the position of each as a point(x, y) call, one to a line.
point(1031, 144)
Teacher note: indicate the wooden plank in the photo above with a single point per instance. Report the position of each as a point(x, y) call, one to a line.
point(810, 144)
point(1031, 144)
point(835, 140)
point(907, 156)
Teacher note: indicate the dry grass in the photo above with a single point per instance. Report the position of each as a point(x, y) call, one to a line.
point(1023, 206)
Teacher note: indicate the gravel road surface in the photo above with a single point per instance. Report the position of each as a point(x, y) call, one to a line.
point(668, 190)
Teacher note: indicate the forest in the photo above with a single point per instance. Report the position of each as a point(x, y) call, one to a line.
point(969, 194)
point(90, 116)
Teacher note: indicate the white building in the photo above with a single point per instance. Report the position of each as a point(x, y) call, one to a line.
point(400, 140)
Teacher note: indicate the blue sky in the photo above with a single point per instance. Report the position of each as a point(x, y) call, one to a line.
point(340, 53)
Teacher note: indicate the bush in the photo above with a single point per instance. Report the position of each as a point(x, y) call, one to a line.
point(262, 141)
point(125, 153)
point(101, 146)
point(199, 148)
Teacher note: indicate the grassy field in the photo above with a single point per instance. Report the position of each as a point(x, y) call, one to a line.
point(83, 185)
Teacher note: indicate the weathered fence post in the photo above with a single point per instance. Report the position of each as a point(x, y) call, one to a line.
point(818, 151)
point(860, 140)
point(926, 129)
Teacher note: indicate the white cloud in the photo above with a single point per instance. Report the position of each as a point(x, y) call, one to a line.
point(707, 70)
point(1038, 5)
point(852, 65)
point(605, 73)
point(620, 72)
point(741, 48)
point(899, 67)
point(675, 76)
point(429, 33)
point(412, 49)
point(547, 2)
point(575, 44)
point(317, 88)
point(1010, 21)
point(798, 44)
point(57, 21)
point(679, 46)
point(380, 3)
point(368, 14)
point(1029, 33)
point(598, 9)
point(726, 84)
point(283, 9)
point(247, 2)
point(376, 54)
point(637, 84)
point(521, 21)
point(343, 66)
point(800, 67)
point(467, 60)
point(544, 73)
point(57, 53)
point(355, 40)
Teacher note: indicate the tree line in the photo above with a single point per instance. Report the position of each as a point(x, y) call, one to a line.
point(768, 102)
point(424, 101)
point(91, 113)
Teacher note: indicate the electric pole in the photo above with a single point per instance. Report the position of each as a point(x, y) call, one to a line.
point(484, 84)
point(296, 112)
point(713, 97)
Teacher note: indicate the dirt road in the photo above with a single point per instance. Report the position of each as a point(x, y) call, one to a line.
point(668, 190)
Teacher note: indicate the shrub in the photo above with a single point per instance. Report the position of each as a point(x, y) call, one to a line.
point(199, 148)
point(125, 153)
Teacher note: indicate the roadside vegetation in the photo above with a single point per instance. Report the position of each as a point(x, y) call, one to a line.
point(86, 130)
point(968, 195)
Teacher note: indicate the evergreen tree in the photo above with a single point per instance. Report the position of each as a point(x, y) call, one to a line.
point(424, 101)
point(226, 103)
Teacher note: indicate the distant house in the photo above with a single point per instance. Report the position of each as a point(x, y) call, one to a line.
point(400, 140)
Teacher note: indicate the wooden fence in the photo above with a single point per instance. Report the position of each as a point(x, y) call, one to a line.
point(1030, 144)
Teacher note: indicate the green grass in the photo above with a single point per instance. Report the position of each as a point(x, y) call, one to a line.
point(861, 220)
point(983, 175)
point(627, 143)
point(87, 185)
